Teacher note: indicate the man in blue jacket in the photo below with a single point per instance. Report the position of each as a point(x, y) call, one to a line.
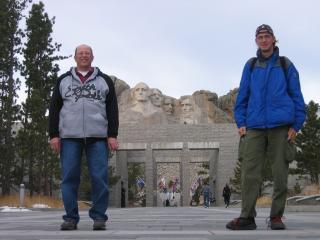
point(83, 116)
point(269, 112)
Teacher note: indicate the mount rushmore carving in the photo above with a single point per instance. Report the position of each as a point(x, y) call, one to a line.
point(144, 105)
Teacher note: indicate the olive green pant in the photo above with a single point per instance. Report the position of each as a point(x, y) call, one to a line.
point(255, 148)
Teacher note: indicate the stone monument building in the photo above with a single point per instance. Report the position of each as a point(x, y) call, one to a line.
point(168, 136)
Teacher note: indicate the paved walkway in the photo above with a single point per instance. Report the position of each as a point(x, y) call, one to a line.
point(184, 223)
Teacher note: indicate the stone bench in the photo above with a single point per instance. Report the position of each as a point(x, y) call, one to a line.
point(235, 202)
point(304, 200)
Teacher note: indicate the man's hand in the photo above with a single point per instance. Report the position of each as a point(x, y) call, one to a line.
point(242, 131)
point(113, 144)
point(292, 134)
point(55, 144)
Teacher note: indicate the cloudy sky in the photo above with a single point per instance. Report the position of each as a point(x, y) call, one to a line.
point(181, 46)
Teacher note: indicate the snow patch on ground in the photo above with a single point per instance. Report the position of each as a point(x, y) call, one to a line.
point(13, 209)
point(17, 209)
point(38, 205)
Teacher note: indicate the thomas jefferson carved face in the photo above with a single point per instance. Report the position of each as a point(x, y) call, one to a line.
point(140, 92)
point(156, 97)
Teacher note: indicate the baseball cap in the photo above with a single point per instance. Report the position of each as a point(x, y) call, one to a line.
point(264, 28)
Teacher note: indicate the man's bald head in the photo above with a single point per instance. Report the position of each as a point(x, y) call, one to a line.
point(83, 46)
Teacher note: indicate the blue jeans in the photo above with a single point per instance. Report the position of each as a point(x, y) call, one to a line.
point(206, 199)
point(97, 160)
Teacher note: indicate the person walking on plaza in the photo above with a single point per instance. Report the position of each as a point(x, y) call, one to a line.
point(206, 195)
point(269, 112)
point(83, 115)
point(226, 193)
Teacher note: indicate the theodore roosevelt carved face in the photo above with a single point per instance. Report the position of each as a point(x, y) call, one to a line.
point(168, 105)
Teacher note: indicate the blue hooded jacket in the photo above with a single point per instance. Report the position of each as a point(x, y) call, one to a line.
point(266, 98)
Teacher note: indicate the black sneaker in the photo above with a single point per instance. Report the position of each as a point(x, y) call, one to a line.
point(276, 223)
point(69, 224)
point(242, 224)
point(99, 225)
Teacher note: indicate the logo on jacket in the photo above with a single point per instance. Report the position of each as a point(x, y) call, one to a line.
point(86, 91)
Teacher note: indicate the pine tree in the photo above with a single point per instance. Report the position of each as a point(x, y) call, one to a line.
point(308, 144)
point(10, 44)
point(135, 171)
point(204, 172)
point(40, 72)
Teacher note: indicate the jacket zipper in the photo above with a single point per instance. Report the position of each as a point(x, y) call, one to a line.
point(269, 68)
point(83, 108)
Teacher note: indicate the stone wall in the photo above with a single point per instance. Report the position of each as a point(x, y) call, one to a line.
point(214, 143)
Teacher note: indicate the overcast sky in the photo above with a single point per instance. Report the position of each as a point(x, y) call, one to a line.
point(181, 46)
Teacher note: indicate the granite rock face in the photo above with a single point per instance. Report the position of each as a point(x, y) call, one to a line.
point(144, 105)
point(119, 85)
point(227, 102)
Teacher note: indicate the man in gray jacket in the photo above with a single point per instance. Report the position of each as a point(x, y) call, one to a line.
point(83, 115)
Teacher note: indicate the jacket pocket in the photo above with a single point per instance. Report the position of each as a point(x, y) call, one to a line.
point(290, 151)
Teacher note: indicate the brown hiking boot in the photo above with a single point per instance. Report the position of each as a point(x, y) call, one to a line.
point(276, 223)
point(69, 224)
point(242, 224)
point(99, 225)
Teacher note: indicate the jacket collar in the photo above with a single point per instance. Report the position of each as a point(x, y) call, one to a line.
point(274, 55)
point(92, 76)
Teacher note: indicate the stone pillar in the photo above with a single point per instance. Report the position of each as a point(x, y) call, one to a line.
point(121, 169)
point(228, 153)
point(21, 195)
point(113, 190)
point(185, 176)
point(213, 171)
point(149, 173)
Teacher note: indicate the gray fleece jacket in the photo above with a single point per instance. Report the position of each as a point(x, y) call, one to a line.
point(84, 110)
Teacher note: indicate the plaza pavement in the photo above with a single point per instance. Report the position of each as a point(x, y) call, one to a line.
point(183, 223)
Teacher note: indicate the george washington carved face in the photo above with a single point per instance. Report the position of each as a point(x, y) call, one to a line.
point(140, 92)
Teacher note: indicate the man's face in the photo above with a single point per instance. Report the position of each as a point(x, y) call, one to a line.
point(265, 41)
point(83, 57)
